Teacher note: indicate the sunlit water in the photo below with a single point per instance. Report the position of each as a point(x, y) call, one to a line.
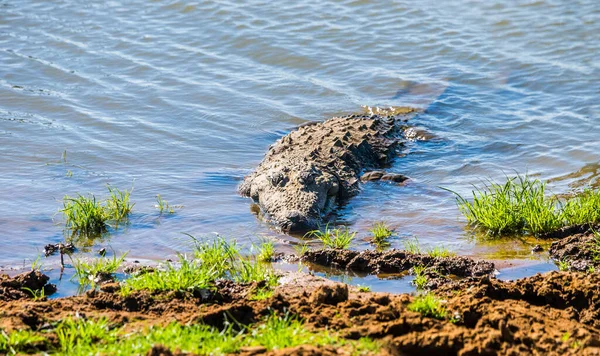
point(183, 98)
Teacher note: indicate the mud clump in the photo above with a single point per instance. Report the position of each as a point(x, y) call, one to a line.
point(581, 251)
point(438, 269)
point(308, 172)
point(21, 286)
point(330, 294)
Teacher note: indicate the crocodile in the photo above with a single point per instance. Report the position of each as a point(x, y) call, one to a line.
point(306, 174)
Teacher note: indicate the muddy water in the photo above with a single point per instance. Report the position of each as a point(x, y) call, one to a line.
point(182, 99)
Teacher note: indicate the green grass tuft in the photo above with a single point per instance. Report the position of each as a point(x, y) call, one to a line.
point(521, 205)
point(20, 341)
point(421, 279)
point(333, 238)
point(87, 215)
point(412, 246)
point(428, 305)
point(381, 233)
point(190, 276)
point(440, 251)
point(266, 251)
point(564, 265)
point(87, 271)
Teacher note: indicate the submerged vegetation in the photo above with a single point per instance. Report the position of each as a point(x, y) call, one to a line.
point(87, 215)
point(334, 238)
point(79, 336)
point(521, 205)
point(381, 233)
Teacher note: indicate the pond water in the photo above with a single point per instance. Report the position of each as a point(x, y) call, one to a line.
point(183, 98)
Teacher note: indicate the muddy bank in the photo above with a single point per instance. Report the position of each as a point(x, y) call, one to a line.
point(580, 251)
point(439, 270)
point(23, 285)
point(308, 172)
point(556, 313)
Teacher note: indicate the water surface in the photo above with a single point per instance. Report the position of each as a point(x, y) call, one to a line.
point(183, 98)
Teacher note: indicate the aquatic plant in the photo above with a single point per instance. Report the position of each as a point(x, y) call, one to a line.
point(333, 238)
point(87, 270)
point(87, 215)
point(421, 279)
point(118, 205)
point(266, 251)
point(412, 246)
point(440, 251)
point(428, 305)
point(301, 249)
point(521, 205)
point(84, 214)
point(162, 205)
point(381, 232)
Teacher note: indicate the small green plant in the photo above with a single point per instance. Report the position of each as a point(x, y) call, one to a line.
point(87, 271)
point(162, 205)
point(36, 294)
point(266, 251)
point(262, 294)
point(595, 246)
point(564, 265)
point(279, 332)
point(75, 335)
point(118, 205)
point(412, 246)
point(440, 251)
point(191, 276)
point(334, 238)
point(18, 341)
point(252, 271)
point(421, 279)
point(36, 265)
point(87, 215)
point(381, 232)
point(428, 305)
point(565, 337)
point(364, 289)
point(217, 255)
point(84, 215)
point(301, 249)
point(591, 269)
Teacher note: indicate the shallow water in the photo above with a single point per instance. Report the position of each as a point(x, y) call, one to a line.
point(183, 98)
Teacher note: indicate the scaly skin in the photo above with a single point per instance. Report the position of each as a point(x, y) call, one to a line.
point(310, 171)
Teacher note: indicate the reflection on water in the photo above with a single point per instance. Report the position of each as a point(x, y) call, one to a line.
point(184, 98)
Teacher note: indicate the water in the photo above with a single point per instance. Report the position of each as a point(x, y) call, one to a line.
point(183, 98)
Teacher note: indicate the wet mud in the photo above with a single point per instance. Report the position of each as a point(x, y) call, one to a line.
point(439, 270)
point(309, 172)
point(551, 314)
point(24, 285)
point(579, 251)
